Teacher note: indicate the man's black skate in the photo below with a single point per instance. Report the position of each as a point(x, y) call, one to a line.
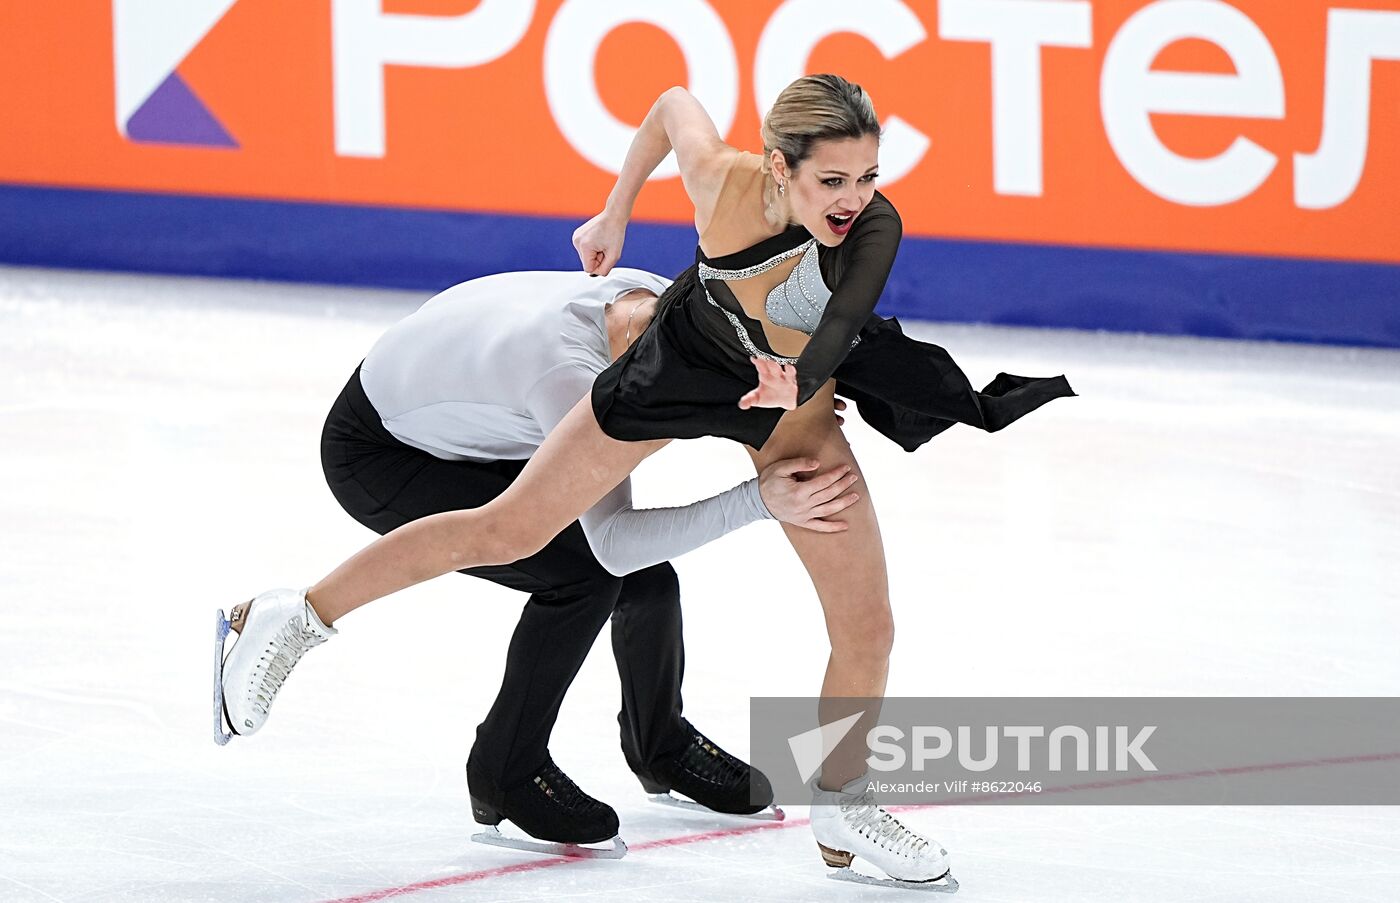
point(550, 808)
point(713, 778)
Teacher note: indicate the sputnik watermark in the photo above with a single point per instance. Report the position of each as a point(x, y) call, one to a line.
point(1099, 750)
point(1111, 749)
point(811, 748)
point(952, 787)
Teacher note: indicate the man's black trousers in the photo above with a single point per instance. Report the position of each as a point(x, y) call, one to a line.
point(384, 483)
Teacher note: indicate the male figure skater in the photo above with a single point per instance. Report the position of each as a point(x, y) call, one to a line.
point(442, 415)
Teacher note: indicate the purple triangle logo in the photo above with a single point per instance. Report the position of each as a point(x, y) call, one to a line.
point(174, 115)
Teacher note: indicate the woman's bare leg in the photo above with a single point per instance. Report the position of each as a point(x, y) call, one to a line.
point(574, 468)
point(848, 572)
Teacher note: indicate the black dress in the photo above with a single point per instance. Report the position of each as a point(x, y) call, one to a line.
point(684, 376)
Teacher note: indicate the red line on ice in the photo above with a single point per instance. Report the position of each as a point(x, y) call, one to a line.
point(717, 834)
point(535, 865)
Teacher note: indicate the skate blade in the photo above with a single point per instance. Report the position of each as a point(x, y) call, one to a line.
point(771, 813)
point(493, 837)
point(945, 884)
point(221, 630)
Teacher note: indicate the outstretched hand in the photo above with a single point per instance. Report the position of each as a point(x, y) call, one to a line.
point(599, 243)
point(777, 386)
point(796, 496)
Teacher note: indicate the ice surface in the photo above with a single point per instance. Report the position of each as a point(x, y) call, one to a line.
point(1208, 518)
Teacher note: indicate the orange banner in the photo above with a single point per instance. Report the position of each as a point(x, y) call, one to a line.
point(1254, 127)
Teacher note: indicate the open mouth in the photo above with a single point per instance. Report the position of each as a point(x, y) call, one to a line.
point(840, 222)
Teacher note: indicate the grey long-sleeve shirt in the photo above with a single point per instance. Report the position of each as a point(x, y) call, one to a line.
point(484, 370)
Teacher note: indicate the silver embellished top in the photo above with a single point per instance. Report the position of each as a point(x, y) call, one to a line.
point(796, 303)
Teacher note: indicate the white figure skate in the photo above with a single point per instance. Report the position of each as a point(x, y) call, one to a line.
point(277, 628)
point(847, 824)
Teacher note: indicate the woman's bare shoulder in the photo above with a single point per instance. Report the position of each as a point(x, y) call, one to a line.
point(732, 175)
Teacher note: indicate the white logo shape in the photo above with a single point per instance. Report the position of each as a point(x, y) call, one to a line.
point(810, 748)
point(151, 38)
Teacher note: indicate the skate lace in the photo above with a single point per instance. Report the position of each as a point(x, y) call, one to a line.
point(710, 763)
point(283, 652)
point(872, 822)
point(561, 788)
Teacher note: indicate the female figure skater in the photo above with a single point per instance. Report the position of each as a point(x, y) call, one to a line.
point(795, 247)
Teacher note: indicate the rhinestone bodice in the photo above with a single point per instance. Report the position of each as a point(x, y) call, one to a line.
point(712, 272)
point(796, 303)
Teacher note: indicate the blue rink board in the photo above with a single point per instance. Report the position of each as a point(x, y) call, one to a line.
point(933, 279)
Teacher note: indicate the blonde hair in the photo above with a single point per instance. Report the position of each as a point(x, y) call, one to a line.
point(816, 108)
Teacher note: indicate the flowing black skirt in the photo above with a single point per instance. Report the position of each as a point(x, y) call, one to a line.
point(685, 374)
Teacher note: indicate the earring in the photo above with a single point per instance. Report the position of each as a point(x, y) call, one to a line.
point(782, 189)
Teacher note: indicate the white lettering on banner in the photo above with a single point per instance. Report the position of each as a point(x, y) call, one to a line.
point(571, 88)
point(1130, 92)
point(364, 40)
point(1354, 39)
point(797, 26)
point(1017, 29)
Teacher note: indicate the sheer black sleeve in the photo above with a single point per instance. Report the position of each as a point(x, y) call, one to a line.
point(867, 256)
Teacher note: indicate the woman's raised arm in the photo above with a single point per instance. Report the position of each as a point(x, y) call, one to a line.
point(676, 122)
